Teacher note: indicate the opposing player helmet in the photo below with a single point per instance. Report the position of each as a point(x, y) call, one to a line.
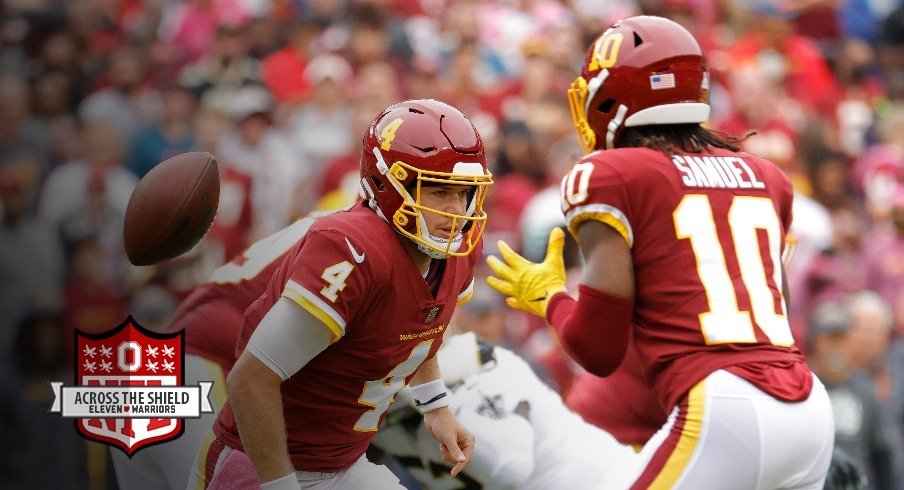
point(422, 142)
point(642, 71)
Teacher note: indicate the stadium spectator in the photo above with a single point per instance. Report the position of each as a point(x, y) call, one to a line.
point(225, 69)
point(66, 189)
point(885, 262)
point(128, 103)
point(172, 135)
point(20, 130)
point(859, 427)
point(263, 151)
point(32, 435)
point(321, 128)
point(872, 326)
point(31, 257)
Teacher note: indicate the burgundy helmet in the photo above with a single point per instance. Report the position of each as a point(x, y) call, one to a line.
point(422, 142)
point(643, 70)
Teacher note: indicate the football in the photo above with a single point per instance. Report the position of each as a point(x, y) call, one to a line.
point(171, 208)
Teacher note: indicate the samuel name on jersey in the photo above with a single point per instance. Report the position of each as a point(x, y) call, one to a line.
point(718, 172)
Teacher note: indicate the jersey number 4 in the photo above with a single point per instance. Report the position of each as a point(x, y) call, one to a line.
point(379, 393)
point(725, 322)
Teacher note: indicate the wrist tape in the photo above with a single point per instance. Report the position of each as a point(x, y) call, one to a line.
point(430, 396)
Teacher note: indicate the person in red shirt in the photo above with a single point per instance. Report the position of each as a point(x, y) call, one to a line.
point(682, 236)
point(788, 58)
point(356, 311)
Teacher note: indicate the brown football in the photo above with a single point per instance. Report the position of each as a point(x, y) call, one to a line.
point(171, 208)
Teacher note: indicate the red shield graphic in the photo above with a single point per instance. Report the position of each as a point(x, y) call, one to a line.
point(129, 355)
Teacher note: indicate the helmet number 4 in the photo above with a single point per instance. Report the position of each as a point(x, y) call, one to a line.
point(388, 133)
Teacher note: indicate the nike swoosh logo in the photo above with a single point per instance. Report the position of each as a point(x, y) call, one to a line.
point(541, 298)
point(359, 257)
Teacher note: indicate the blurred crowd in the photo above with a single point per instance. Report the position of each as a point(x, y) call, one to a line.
point(95, 93)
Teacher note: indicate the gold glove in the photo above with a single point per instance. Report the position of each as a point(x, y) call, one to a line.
point(528, 285)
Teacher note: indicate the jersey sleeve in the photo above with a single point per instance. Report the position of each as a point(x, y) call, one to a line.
point(465, 295)
point(595, 190)
point(787, 203)
point(325, 279)
point(784, 206)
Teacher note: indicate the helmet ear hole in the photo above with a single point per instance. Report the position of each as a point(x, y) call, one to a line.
point(637, 40)
point(378, 183)
point(606, 106)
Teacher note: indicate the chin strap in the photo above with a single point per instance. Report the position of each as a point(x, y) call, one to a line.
point(430, 252)
point(367, 194)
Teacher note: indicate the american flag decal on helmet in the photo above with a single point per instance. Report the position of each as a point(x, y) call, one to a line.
point(665, 80)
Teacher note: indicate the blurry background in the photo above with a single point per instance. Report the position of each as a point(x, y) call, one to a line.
point(94, 93)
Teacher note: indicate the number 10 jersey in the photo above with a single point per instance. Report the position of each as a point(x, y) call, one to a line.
point(706, 233)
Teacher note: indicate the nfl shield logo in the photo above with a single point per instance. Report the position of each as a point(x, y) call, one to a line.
point(431, 315)
point(129, 355)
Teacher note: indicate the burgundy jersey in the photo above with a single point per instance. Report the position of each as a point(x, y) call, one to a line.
point(621, 403)
point(351, 271)
point(706, 233)
point(212, 314)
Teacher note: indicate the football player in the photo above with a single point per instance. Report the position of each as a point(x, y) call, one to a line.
point(682, 236)
point(355, 312)
point(528, 438)
point(211, 317)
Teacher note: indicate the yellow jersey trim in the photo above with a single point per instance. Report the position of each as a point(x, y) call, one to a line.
point(465, 295)
point(603, 213)
point(336, 329)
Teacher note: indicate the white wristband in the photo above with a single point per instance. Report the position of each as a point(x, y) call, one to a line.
point(430, 396)
point(288, 482)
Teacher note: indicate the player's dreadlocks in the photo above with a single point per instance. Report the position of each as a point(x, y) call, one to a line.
point(669, 138)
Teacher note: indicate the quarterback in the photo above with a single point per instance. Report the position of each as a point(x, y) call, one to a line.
point(356, 311)
point(682, 236)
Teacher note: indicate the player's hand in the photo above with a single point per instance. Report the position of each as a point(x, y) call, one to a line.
point(456, 443)
point(529, 285)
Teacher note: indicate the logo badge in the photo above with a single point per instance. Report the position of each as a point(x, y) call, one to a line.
point(130, 391)
point(359, 257)
point(431, 315)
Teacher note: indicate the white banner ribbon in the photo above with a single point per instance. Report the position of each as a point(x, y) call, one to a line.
point(165, 402)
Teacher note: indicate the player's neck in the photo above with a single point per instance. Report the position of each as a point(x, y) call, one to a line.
point(421, 260)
